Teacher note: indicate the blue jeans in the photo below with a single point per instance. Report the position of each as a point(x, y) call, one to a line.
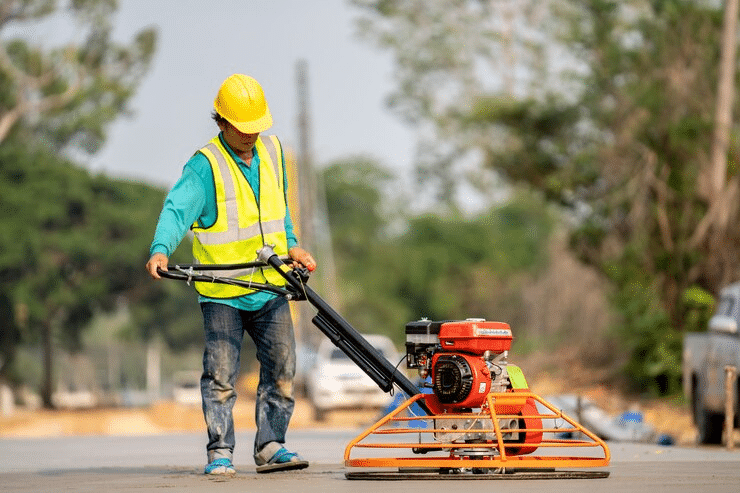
point(271, 329)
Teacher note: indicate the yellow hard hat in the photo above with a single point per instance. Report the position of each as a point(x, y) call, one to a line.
point(241, 101)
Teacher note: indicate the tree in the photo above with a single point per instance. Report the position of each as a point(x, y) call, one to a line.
point(453, 58)
point(395, 268)
point(9, 334)
point(68, 95)
point(355, 192)
point(625, 141)
point(652, 92)
point(71, 243)
point(721, 193)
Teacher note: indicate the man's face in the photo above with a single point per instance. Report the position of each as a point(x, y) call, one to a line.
point(239, 142)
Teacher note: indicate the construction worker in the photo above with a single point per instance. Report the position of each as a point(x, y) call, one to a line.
point(232, 194)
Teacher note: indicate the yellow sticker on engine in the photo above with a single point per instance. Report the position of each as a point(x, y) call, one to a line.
point(516, 376)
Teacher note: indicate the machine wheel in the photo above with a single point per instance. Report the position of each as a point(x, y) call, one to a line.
point(533, 438)
point(708, 423)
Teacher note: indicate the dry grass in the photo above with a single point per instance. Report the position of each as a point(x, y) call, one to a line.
point(162, 417)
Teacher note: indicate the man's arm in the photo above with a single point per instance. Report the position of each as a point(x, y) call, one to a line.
point(185, 203)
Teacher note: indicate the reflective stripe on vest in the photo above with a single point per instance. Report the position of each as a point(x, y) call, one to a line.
point(242, 225)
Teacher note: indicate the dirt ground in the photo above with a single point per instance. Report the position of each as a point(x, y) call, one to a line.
point(162, 417)
point(666, 417)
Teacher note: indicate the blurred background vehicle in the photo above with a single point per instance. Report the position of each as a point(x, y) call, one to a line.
point(706, 357)
point(305, 362)
point(336, 382)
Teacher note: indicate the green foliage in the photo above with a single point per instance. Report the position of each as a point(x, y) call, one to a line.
point(645, 331)
point(440, 267)
point(354, 199)
point(170, 310)
point(477, 77)
point(67, 237)
point(72, 244)
point(448, 256)
point(699, 305)
point(654, 98)
point(533, 143)
point(646, 328)
point(68, 95)
point(623, 136)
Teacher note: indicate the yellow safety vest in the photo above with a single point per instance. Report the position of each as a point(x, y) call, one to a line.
point(242, 225)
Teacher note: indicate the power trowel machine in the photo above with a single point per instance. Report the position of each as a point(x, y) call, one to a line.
point(470, 416)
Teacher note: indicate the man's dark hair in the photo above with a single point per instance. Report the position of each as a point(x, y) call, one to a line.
point(218, 118)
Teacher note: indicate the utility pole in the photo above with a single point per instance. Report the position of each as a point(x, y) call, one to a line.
point(307, 192)
point(303, 205)
point(313, 223)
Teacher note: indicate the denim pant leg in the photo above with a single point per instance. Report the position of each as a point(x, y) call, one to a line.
point(271, 329)
point(223, 340)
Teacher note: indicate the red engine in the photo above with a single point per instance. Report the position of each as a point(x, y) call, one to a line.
point(466, 360)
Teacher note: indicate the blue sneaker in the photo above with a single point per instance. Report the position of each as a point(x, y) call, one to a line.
point(220, 467)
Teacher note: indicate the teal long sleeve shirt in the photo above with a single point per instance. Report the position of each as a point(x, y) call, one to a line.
point(193, 198)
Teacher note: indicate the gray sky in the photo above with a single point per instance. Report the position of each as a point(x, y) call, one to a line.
point(201, 43)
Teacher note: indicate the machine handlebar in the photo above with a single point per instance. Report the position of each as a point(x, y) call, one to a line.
point(327, 320)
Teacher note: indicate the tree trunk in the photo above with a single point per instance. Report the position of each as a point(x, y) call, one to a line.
point(713, 182)
point(725, 98)
point(47, 387)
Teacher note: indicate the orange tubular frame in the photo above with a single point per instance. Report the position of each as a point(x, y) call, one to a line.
point(485, 454)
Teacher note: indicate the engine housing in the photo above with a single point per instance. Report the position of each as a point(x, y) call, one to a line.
point(465, 359)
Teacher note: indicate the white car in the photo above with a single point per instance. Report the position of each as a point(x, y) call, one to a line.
point(336, 382)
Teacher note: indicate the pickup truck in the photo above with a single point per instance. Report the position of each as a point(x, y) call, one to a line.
point(705, 356)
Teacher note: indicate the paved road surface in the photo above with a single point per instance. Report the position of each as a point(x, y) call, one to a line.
point(174, 462)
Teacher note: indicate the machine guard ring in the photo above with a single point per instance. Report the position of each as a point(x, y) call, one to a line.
point(540, 460)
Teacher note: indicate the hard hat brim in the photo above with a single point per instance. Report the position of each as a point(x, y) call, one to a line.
point(254, 126)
